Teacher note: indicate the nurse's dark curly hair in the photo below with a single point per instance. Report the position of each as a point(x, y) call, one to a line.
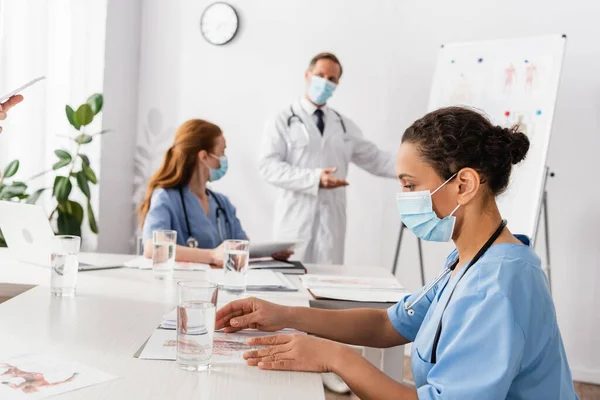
point(453, 138)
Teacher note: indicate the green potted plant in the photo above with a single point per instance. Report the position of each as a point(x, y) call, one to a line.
point(71, 169)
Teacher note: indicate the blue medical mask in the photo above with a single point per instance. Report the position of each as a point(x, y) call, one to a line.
point(416, 212)
point(320, 89)
point(216, 174)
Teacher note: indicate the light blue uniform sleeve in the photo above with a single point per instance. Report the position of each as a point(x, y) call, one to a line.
point(479, 352)
point(408, 325)
point(159, 216)
point(236, 226)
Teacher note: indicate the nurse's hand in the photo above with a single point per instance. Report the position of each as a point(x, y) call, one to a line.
point(252, 313)
point(216, 258)
point(283, 255)
point(7, 105)
point(293, 353)
point(331, 182)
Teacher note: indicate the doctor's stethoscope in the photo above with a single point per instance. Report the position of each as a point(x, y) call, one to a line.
point(409, 308)
point(296, 116)
point(221, 213)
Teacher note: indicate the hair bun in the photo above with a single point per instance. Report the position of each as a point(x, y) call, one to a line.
point(515, 142)
point(519, 145)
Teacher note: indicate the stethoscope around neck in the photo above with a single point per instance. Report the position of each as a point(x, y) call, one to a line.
point(409, 307)
point(220, 213)
point(296, 116)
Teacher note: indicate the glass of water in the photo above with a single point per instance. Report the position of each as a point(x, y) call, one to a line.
point(196, 315)
point(65, 265)
point(235, 265)
point(163, 253)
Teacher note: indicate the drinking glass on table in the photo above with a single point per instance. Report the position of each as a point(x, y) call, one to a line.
point(196, 313)
point(163, 253)
point(235, 265)
point(64, 265)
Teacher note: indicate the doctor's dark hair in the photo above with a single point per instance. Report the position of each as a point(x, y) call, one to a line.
point(325, 56)
point(453, 138)
point(181, 159)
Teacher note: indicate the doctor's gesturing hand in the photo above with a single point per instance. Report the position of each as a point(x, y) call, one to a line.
point(331, 182)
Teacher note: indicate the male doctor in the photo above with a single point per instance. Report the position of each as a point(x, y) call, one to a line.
point(305, 153)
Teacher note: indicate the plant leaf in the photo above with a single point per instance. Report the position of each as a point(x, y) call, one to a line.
point(76, 210)
point(11, 169)
point(92, 218)
point(84, 114)
point(13, 190)
point(72, 118)
point(83, 139)
point(85, 159)
point(61, 163)
point(67, 224)
point(62, 189)
point(63, 155)
point(83, 184)
point(96, 101)
point(35, 196)
point(89, 174)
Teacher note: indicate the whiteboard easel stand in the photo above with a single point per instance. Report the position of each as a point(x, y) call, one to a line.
point(397, 254)
point(544, 209)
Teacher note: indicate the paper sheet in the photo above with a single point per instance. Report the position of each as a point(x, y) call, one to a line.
point(352, 288)
point(365, 296)
point(256, 279)
point(228, 348)
point(37, 376)
point(142, 262)
point(350, 282)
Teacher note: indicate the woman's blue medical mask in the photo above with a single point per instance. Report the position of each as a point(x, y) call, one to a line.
point(216, 174)
point(320, 89)
point(416, 212)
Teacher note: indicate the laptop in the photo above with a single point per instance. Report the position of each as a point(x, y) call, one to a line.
point(28, 235)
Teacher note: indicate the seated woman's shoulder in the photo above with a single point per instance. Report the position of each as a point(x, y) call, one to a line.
point(512, 269)
point(162, 194)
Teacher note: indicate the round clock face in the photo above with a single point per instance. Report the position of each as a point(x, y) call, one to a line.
point(219, 23)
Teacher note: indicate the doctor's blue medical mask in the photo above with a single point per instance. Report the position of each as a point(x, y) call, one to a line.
point(416, 212)
point(320, 89)
point(216, 174)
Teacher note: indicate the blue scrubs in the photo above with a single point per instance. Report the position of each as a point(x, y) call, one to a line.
point(499, 339)
point(166, 212)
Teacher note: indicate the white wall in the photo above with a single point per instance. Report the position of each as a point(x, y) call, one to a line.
point(115, 214)
point(388, 49)
point(573, 194)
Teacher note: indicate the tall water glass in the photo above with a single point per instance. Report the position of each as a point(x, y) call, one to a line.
point(64, 265)
point(163, 253)
point(196, 315)
point(235, 265)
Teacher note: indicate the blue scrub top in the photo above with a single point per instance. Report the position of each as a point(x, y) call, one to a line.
point(499, 339)
point(166, 212)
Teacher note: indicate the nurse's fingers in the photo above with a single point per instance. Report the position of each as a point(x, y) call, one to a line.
point(224, 320)
point(229, 329)
point(269, 340)
point(267, 352)
point(232, 310)
point(282, 365)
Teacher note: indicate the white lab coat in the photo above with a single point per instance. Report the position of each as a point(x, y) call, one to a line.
point(293, 162)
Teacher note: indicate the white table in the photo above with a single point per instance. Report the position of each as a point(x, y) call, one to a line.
point(116, 310)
